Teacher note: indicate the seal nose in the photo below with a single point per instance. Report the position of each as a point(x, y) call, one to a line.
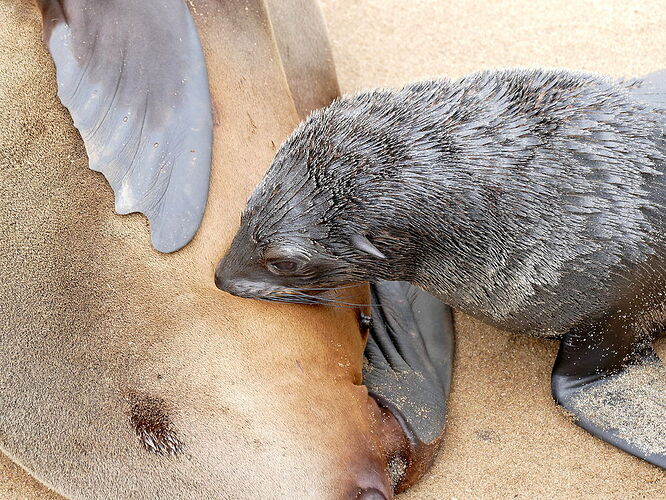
point(221, 278)
point(218, 280)
point(369, 494)
point(228, 282)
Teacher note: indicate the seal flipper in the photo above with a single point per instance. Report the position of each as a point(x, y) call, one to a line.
point(133, 77)
point(408, 371)
point(615, 387)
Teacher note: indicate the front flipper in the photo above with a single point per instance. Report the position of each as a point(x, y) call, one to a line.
point(133, 77)
point(615, 387)
point(408, 371)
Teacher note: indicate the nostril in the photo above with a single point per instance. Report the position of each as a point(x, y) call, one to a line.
point(369, 494)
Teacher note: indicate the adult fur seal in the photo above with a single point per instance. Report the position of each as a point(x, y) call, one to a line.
point(531, 199)
point(124, 373)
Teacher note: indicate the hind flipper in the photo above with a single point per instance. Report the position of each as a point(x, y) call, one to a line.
point(615, 387)
point(410, 355)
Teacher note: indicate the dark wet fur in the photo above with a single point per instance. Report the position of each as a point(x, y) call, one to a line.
point(527, 198)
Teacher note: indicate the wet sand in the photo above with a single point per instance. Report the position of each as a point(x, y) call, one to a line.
point(505, 436)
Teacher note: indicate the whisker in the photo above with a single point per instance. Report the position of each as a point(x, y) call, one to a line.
point(330, 300)
point(341, 287)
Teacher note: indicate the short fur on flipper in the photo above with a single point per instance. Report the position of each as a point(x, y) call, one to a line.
point(530, 199)
point(133, 77)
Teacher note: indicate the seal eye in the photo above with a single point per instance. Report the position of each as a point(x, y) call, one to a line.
point(282, 266)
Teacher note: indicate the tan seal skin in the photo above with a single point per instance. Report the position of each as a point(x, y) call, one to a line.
point(505, 437)
point(264, 401)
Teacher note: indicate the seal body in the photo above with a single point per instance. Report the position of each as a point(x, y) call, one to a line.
point(532, 200)
point(526, 198)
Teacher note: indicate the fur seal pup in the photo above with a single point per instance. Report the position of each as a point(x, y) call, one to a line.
point(531, 199)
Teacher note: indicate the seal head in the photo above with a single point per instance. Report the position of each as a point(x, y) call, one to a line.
point(312, 221)
point(299, 229)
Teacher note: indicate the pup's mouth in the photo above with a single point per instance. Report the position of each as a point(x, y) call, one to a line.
point(261, 291)
point(337, 296)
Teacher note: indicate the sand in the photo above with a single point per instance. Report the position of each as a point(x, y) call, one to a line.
point(505, 436)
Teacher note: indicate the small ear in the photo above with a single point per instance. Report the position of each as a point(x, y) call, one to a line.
point(362, 243)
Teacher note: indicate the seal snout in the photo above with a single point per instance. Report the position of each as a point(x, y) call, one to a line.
point(231, 286)
point(229, 279)
point(224, 281)
point(219, 281)
point(369, 494)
